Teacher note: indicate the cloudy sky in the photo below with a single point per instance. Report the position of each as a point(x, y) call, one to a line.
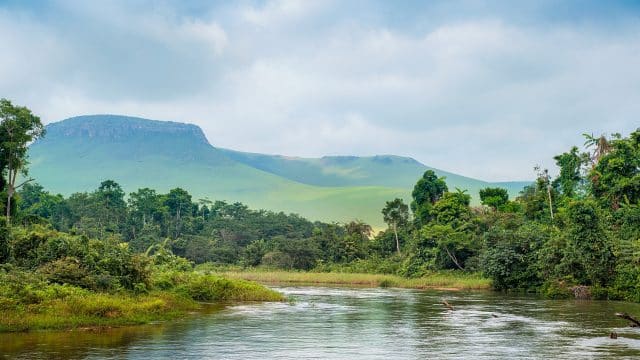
point(484, 89)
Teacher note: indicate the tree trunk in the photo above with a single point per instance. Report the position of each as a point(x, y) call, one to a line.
point(10, 191)
point(550, 203)
point(395, 232)
point(9, 206)
point(453, 258)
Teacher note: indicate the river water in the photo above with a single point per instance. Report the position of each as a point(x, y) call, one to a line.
point(357, 323)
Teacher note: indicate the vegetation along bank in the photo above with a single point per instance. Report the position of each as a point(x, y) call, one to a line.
point(91, 254)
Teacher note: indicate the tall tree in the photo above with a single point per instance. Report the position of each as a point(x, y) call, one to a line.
point(616, 177)
point(545, 180)
point(396, 214)
point(179, 203)
point(426, 192)
point(570, 164)
point(18, 128)
point(144, 204)
point(110, 198)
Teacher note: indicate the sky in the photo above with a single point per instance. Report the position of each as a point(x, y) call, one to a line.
point(486, 89)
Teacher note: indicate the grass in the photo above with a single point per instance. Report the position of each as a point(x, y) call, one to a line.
point(38, 305)
point(95, 310)
point(436, 280)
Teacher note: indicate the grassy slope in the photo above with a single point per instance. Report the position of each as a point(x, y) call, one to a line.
point(80, 152)
point(380, 170)
point(437, 280)
point(235, 182)
point(76, 157)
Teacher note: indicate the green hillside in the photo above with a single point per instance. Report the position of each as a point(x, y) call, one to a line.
point(380, 170)
point(78, 153)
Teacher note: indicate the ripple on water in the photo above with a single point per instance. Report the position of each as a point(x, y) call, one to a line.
point(344, 323)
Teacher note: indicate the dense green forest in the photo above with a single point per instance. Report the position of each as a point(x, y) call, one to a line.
point(581, 228)
point(57, 276)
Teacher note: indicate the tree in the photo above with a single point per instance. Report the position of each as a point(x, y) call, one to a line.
point(510, 253)
point(396, 213)
point(570, 164)
point(600, 146)
point(18, 128)
point(36, 203)
point(615, 179)
point(4, 240)
point(425, 193)
point(452, 209)
point(179, 203)
point(589, 254)
point(545, 179)
point(356, 239)
point(494, 197)
point(110, 198)
point(204, 206)
point(145, 204)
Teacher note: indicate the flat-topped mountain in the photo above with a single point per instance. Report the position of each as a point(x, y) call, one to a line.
point(77, 153)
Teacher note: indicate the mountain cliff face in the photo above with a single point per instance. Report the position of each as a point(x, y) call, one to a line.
point(114, 128)
point(78, 153)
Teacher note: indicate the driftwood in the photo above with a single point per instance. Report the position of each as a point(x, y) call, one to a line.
point(613, 335)
point(446, 303)
point(634, 322)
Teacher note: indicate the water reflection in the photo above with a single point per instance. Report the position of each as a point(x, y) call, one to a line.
point(343, 323)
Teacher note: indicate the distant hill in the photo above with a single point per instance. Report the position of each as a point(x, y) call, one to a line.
point(380, 170)
point(78, 153)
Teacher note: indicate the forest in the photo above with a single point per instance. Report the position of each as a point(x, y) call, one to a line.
point(574, 234)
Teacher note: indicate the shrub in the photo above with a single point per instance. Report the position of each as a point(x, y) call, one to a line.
point(68, 270)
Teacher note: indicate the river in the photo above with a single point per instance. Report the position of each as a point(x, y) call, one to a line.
point(359, 323)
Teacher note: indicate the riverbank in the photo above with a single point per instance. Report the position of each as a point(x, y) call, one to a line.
point(436, 280)
point(28, 303)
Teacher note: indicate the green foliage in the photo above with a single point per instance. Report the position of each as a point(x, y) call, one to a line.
point(5, 248)
point(557, 289)
point(510, 254)
point(581, 228)
point(215, 288)
point(494, 198)
point(18, 128)
point(396, 214)
point(425, 193)
point(589, 254)
point(437, 247)
point(570, 178)
point(452, 209)
point(615, 178)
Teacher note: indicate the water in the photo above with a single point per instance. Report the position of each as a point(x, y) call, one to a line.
point(348, 323)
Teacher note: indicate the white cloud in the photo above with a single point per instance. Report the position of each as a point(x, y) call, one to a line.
point(481, 96)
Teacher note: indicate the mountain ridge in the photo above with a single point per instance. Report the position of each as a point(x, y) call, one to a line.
point(79, 152)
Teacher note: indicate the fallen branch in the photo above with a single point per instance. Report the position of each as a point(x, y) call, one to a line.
point(446, 303)
point(635, 322)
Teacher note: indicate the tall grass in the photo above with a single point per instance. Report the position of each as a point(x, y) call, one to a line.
point(449, 280)
point(95, 310)
point(29, 303)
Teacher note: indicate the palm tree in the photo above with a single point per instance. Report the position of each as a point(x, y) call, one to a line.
point(601, 147)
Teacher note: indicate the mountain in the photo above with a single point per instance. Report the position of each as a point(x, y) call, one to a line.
point(380, 170)
point(78, 153)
